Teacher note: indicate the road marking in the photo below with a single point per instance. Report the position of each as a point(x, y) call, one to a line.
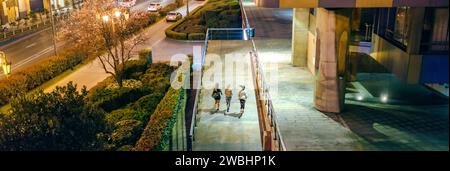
point(31, 45)
point(29, 59)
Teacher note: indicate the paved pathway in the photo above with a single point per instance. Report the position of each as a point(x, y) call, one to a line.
point(364, 125)
point(223, 131)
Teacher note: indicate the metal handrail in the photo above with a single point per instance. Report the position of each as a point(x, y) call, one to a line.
point(265, 88)
point(261, 81)
point(191, 137)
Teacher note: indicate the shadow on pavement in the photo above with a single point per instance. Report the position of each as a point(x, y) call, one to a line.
point(394, 129)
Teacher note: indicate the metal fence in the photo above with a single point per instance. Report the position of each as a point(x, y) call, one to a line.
point(263, 92)
point(29, 25)
point(268, 111)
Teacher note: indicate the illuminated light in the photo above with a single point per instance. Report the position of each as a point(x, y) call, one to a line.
point(245, 32)
point(384, 98)
point(105, 18)
point(117, 14)
point(359, 97)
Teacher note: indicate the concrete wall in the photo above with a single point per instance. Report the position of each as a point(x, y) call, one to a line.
point(405, 66)
point(300, 26)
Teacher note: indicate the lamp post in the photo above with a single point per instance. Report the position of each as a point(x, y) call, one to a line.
point(53, 29)
point(6, 66)
point(187, 8)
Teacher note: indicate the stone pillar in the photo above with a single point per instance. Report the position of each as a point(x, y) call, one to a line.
point(415, 29)
point(3, 15)
point(300, 24)
point(333, 31)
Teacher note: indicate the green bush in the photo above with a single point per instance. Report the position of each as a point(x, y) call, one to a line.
point(125, 148)
point(126, 114)
point(161, 121)
point(115, 98)
point(214, 14)
point(144, 53)
point(24, 80)
point(175, 35)
point(109, 98)
point(157, 77)
point(148, 103)
point(134, 69)
point(157, 133)
point(126, 132)
point(196, 36)
point(59, 120)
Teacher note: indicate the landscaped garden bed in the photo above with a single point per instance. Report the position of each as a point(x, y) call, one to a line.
point(213, 14)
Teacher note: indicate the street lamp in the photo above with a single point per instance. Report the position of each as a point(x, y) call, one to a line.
point(105, 18)
point(117, 14)
point(187, 8)
point(6, 66)
point(53, 29)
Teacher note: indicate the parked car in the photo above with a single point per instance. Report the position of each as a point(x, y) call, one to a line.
point(154, 7)
point(173, 16)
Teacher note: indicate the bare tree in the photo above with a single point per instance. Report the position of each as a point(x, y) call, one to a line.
point(106, 32)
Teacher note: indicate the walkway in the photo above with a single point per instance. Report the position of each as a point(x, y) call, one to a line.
point(224, 131)
point(364, 125)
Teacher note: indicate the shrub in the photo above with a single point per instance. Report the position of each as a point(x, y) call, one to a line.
point(214, 14)
point(134, 69)
point(148, 103)
point(24, 80)
point(125, 148)
point(176, 35)
point(126, 114)
point(157, 133)
point(144, 53)
point(196, 36)
point(161, 122)
point(127, 132)
point(111, 99)
point(60, 120)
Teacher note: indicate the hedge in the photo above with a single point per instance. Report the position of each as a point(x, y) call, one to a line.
point(170, 33)
point(24, 80)
point(196, 36)
point(157, 133)
point(126, 114)
point(214, 14)
point(176, 35)
point(135, 68)
point(126, 132)
point(161, 122)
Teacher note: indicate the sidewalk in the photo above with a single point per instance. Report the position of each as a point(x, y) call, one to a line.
point(225, 131)
point(364, 125)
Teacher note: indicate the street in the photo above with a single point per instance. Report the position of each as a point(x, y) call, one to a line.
point(92, 73)
point(38, 46)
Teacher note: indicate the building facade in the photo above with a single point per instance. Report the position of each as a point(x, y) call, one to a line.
point(13, 10)
point(409, 38)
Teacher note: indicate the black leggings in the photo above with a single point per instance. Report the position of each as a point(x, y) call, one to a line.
point(242, 104)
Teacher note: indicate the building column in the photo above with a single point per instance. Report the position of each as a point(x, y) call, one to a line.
point(300, 24)
point(3, 15)
point(415, 29)
point(333, 31)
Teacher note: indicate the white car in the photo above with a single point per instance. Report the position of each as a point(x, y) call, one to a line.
point(173, 16)
point(154, 7)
